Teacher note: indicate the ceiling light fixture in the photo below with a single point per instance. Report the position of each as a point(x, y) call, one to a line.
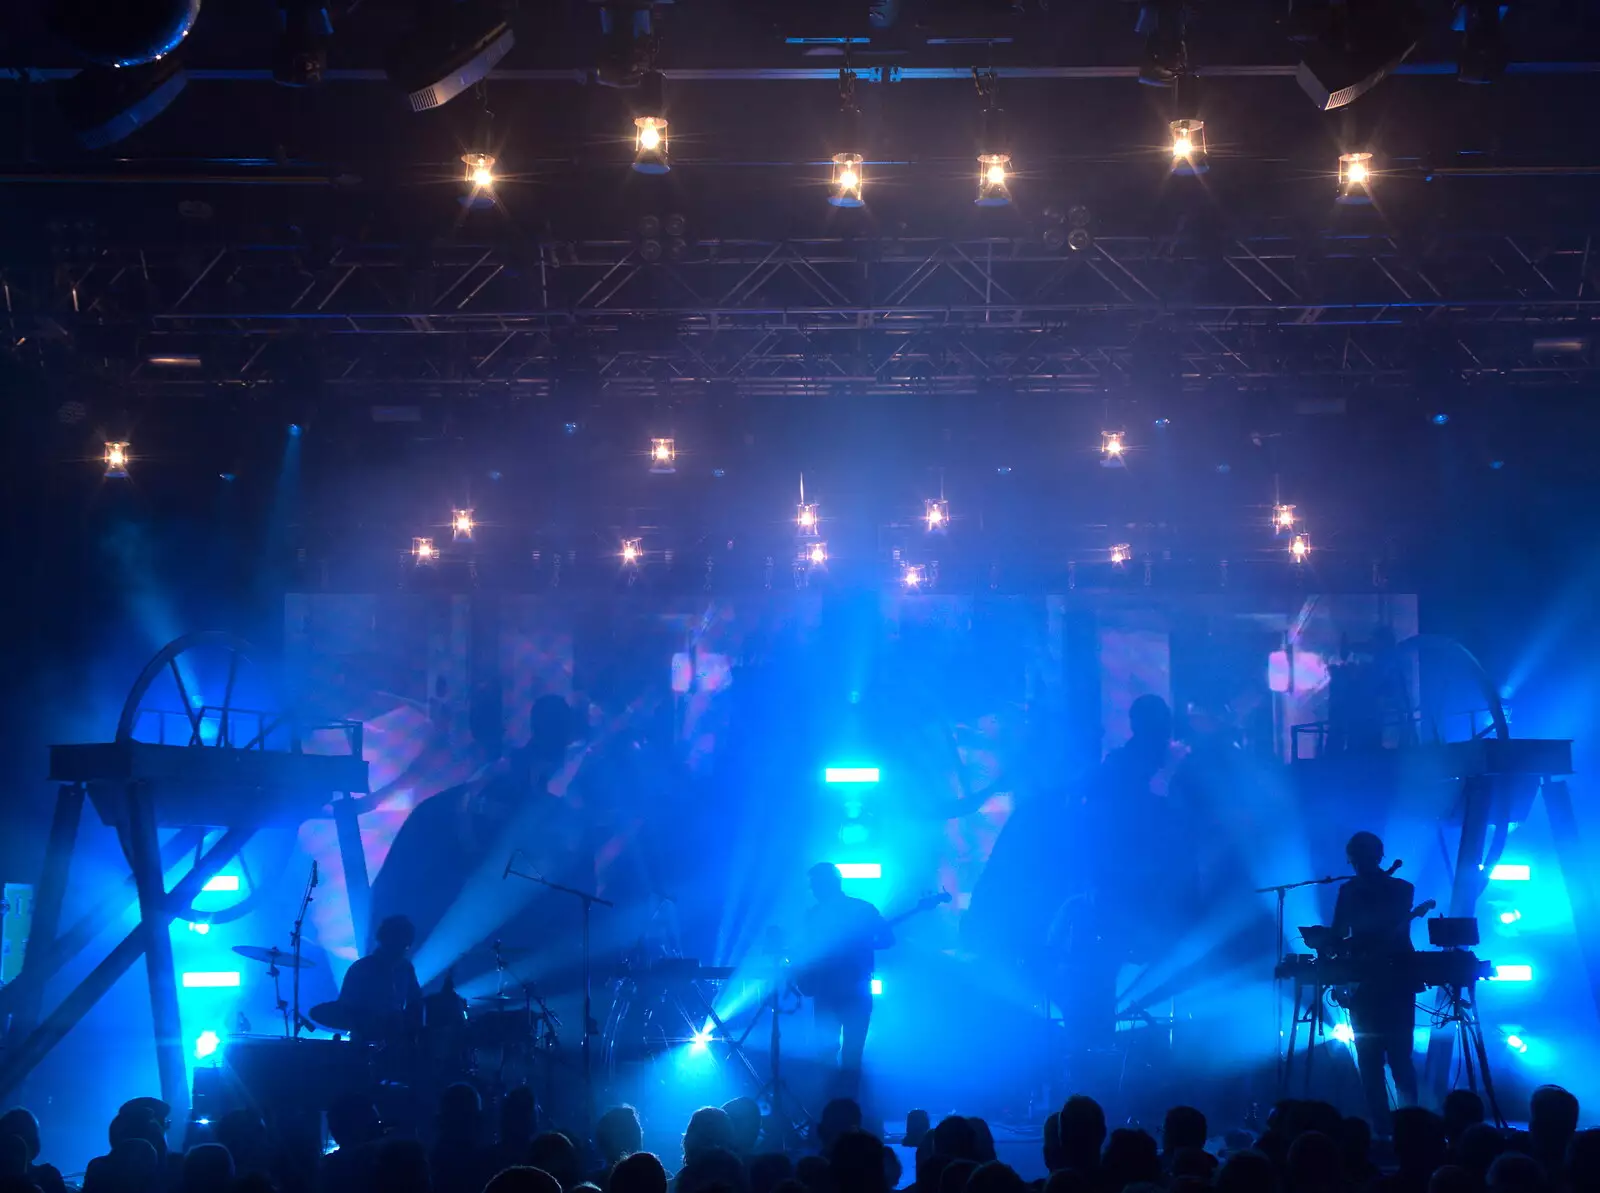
point(650, 150)
point(994, 146)
point(1357, 44)
point(1355, 179)
point(846, 180)
point(453, 47)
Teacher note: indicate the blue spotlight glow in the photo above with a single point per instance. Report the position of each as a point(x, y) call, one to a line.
point(1507, 872)
point(1512, 973)
point(877, 985)
point(1510, 917)
point(860, 870)
point(294, 430)
point(201, 979)
point(199, 927)
point(1516, 1043)
point(702, 1038)
point(1343, 1033)
point(853, 834)
point(850, 774)
point(206, 1044)
point(222, 882)
point(1440, 419)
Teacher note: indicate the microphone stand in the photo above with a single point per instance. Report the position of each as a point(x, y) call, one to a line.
point(295, 940)
point(1282, 892)
point(588, 901)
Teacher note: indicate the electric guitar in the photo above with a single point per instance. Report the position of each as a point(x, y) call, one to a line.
point(810, 978)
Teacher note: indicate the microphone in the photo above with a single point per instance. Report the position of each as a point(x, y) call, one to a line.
point(506, 873)
point(1393, 866)
point(313, 872)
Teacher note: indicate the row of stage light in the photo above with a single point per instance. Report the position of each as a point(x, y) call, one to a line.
point(997, 170)
point(812, 550)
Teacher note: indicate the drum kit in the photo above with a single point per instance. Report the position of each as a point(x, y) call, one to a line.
point(496, 1041)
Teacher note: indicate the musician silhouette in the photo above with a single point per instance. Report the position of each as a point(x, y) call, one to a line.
point(842, 935)
point(1372, 920)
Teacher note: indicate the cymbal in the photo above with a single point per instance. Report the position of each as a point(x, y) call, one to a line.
point(273, 956)
point(502, 999)
point(333, 1016)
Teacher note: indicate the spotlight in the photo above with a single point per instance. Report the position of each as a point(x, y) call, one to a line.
point(806, 517)
point(1189, 147)
point(663, 455)
point(1516, 1043)
point(702, 1038)
point(301, 53)
point(632, 551)
point(1112, 449)
point(461, 525)
point(936, 514)
point(423, 551)
point(480, 171)
point(846, 181)
point(1510, 917)
point(116, 459)
point(1483, 54)
point(295, 430)
point(817, 554)
point(206, 1044)
point(914, 576)
point(1360, 44)
point(1355, 178)
point(200, 927)
point(1512, 973)
point(104, 104)
point(650, 151)
point(844, 185)
point(1440, 419)
point(1300, 547)
point(1282, 518)
point(994, 147)
point(877, 986)
point(453, 49)
point(1344, 1033)
point(1120, 554)
point(1166, 54)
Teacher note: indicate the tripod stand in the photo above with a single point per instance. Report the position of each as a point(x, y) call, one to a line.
point(787, 1109)
point(1458, 1005)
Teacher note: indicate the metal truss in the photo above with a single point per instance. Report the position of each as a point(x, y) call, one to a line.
point(870, 315)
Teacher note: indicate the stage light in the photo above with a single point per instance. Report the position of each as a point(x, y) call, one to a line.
point(480, 171)
point(123, 34)
point(1121, 553)
point(116, 458)
point(861, 870)
point(651, 154)
point(1355, 178)
point(1343, 1033)
point(853, 834)
point(1516, 1043)
point(1189, 147)
point(423, 551)
point(452, 49)
point(1300, 547)
point(1440, 419)
point(663, 455)
point(914, 576)
point(846, 181)
point(1359, 43)
point(1166, 52)
point(1510, 917)
point(702, 1038)
point(806, 517)
point(222, 882)
point(1282, 518)
point(103, 104)
point(1512, 973)
point(936, 514)
point(194, 979)
point(850, 774)
point(632, 551)
point(301, 53)
point(877, 986)
point(199, 927)
point(461, 526)
point(1511, 872)
point(206, 1044)
point(295, 430)
point(1113, 448)
point(817, 554)
point(994, 146)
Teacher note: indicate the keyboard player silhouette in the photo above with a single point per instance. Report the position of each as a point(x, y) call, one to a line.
point(1372, 923)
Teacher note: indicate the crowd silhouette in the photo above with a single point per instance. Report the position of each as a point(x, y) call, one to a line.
point(1306, 1147)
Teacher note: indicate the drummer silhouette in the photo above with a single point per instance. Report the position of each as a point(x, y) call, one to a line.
point(380, 998)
